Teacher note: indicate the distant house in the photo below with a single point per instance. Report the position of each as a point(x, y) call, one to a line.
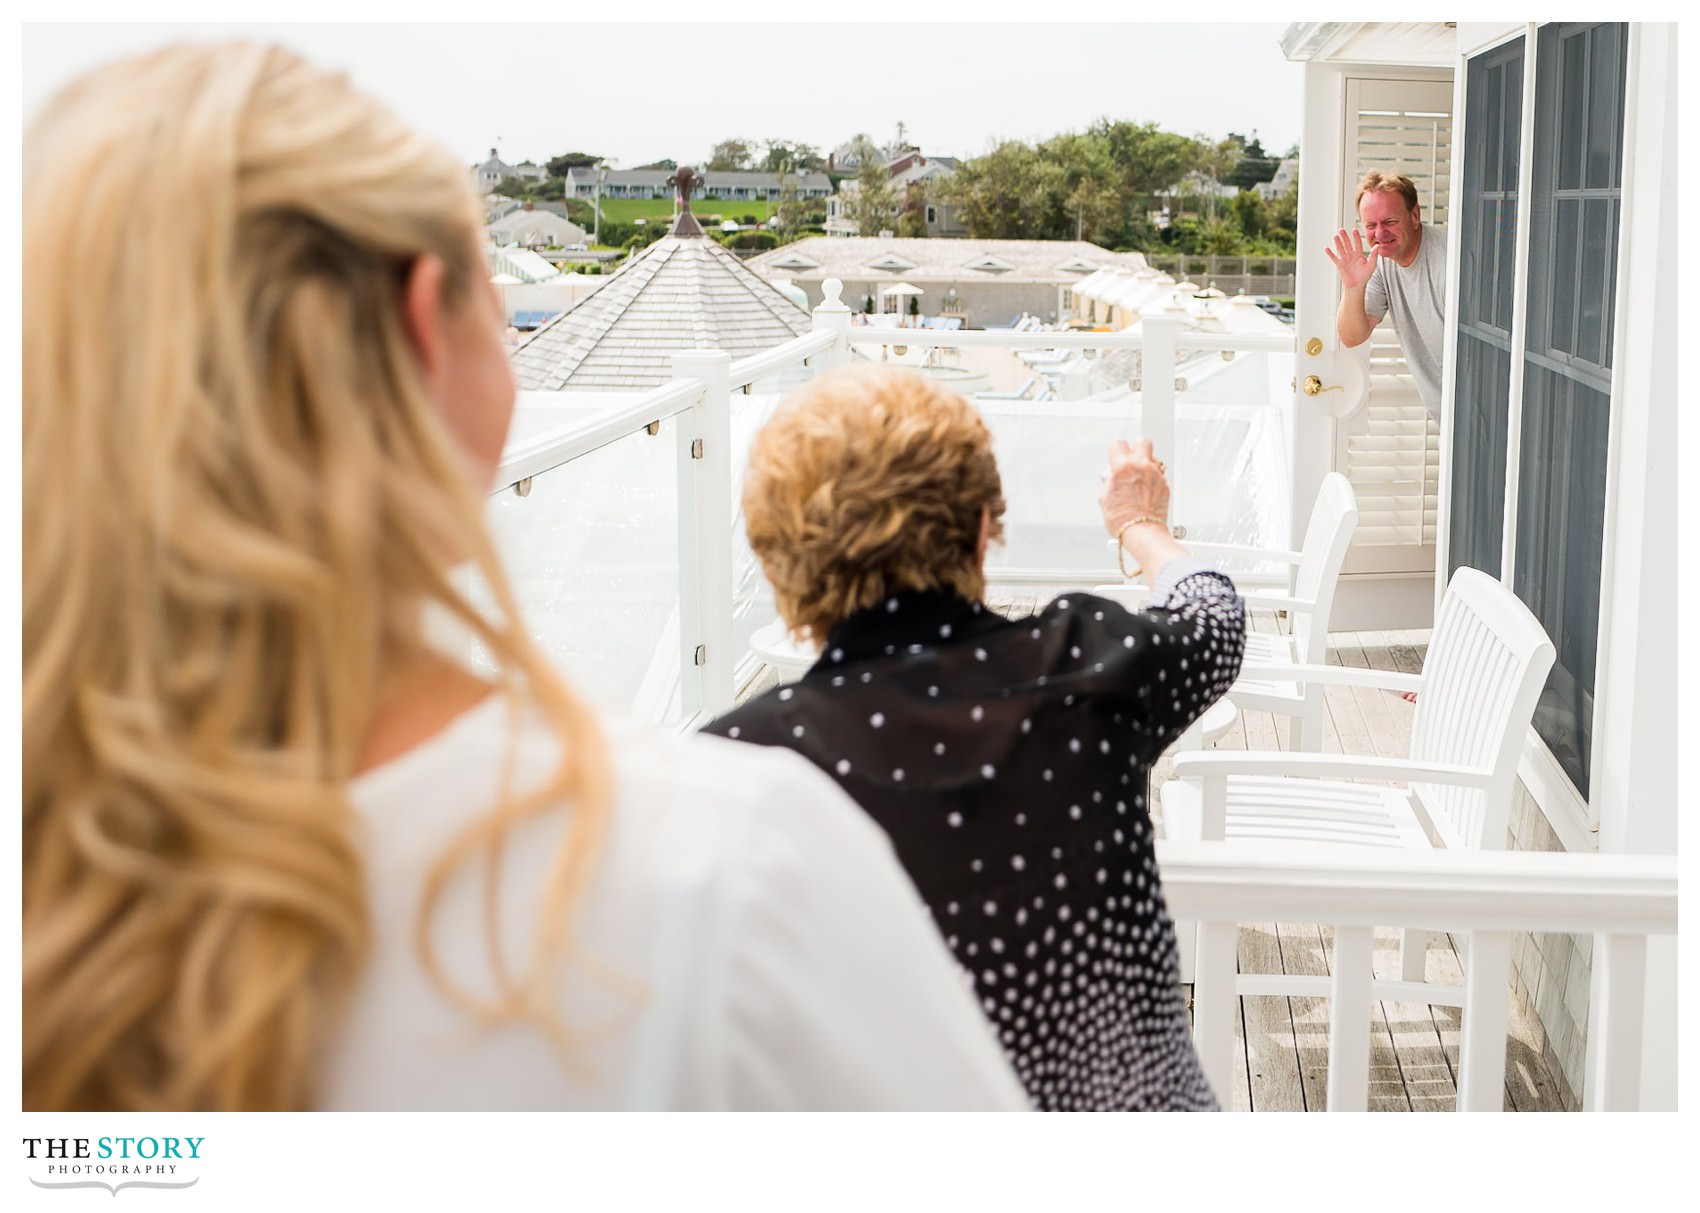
point(909, 172)
point(1196, 185)
point(721, 187)
point(530, 228)
point(986, 282)
point(1284, 179)
point(489, 174)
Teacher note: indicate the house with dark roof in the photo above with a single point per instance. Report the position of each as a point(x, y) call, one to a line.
point(721, 187)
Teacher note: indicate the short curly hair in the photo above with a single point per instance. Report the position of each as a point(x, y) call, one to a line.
point(867, 482)
point(1379, 182)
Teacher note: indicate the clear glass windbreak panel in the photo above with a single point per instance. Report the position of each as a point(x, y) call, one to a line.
point(752, 597)
point(593, 555)
point(1230, 473)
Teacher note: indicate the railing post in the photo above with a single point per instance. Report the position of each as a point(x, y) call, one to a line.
point(833, 315)
point(705, 535)
point(1157, 383)
point(1615, 1015)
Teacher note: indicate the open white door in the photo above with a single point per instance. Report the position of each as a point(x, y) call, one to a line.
point(1366, 419)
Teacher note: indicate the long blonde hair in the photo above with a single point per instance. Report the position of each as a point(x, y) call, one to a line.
point(237, 496)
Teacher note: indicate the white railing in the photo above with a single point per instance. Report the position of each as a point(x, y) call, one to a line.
point(1492, 895)
point(697, 400)
point(1160, 337)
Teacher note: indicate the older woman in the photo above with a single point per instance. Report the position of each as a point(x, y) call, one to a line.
point(281, 851)
point(1008, 759)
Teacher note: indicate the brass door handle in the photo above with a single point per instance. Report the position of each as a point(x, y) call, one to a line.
point(1313, 386)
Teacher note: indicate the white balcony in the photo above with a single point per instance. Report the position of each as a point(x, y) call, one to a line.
point(616, 514)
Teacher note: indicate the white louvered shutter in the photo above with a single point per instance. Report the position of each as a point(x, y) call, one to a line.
point(1392, 455)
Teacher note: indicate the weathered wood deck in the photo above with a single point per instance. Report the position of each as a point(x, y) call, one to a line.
point(1284, 1040)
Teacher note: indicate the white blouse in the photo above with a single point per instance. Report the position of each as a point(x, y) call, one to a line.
point(748, 940)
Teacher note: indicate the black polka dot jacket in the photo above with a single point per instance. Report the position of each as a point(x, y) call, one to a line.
point(1009, 760)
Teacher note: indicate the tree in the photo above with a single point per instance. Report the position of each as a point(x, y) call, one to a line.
point(1007, 194)
point(558, 166)
point(1213, 161)
point(873, 204)
point(665, 166)
point(790, 210)
point(729, 156)
point(781, 156)
point(1148, 159)
point(1255, 165)
point(912, 219)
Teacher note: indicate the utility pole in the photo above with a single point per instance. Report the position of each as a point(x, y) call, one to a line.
point(601, 172)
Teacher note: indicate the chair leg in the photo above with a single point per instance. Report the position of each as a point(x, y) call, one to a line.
point(1186, 950)
point(1413, 954)
point(1307, 727)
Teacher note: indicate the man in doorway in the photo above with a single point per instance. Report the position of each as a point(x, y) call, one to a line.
point(1403, 271)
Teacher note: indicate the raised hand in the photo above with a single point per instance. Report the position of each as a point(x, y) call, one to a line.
point(1353, 264)
point(1135, 485)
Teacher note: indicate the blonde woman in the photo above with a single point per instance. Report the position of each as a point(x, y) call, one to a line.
point(277, 851)
point(1007, 759)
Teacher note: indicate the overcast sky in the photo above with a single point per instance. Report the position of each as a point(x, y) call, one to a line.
point(672, 89)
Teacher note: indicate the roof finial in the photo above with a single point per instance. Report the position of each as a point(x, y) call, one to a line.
point(683, 181)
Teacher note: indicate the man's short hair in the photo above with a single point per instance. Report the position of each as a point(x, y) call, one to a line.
point(1387, 183)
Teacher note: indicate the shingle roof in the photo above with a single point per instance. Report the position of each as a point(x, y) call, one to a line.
point(680, 293)
point(915, 259)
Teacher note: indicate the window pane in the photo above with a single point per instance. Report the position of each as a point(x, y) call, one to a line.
point(1595, 297)
point(1487, 236)
point(1573, 207)
point(1571, 88)
point(1560, 545)
point(1561, 313)
point(1605, 91)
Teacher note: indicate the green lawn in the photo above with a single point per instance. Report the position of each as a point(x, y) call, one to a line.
point(624, 210)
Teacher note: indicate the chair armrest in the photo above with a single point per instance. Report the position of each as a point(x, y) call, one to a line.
point(1199, 548)
point(1276, 602)
point(1208, 763)
point(1339, 675)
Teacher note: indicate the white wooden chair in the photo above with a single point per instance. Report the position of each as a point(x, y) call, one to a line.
point(773, 646)
point(1488, 658)
point(1313, 575)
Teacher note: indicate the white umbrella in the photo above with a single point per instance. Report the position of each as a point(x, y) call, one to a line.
point(901, 288)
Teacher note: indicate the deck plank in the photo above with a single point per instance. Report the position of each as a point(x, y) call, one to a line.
point(1271, 1051)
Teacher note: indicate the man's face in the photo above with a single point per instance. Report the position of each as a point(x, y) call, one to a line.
point(1389, 226)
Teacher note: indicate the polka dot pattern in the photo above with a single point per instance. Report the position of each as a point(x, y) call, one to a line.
point(1009, 764)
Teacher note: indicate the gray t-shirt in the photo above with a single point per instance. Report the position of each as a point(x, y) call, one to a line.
point(1416, 294)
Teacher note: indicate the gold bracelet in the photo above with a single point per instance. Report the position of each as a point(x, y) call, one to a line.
point(1121, 552)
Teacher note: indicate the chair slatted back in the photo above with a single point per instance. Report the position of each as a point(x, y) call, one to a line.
point(1488, 658)
point(1327, 536)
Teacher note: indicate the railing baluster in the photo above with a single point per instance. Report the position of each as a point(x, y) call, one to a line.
point(1487, 996)
point(1157, 379)
point(705, 536)
point(1348, 1019)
